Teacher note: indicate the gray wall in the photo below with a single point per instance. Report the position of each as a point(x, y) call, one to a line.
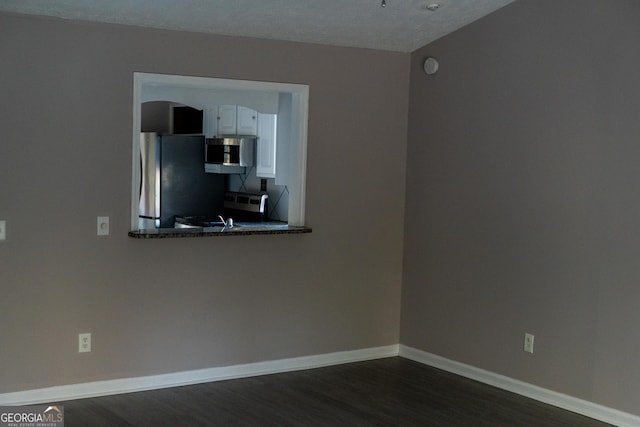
point(523, 209)
point(171, 305)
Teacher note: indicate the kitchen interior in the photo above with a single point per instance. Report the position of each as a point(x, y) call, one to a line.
point(209, 164)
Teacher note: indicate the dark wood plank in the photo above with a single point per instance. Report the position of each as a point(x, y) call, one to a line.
point(385, 392)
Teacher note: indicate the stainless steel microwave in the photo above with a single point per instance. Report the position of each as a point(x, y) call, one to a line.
point(238, 151)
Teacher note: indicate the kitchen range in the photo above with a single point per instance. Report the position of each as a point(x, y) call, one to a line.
point(240, 210)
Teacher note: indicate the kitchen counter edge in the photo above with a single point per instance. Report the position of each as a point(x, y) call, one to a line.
point(170, 233)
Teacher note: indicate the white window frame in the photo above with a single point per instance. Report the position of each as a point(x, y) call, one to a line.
point(298, 149)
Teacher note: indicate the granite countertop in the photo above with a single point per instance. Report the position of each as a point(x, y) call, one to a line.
point(241, 229)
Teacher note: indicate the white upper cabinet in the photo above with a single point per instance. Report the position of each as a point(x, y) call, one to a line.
point(210, 122)
point(237, 120)
point(247, 121)
point(227, 120)
point(266, 151)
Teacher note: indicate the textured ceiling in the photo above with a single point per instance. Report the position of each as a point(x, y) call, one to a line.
point(403, 25)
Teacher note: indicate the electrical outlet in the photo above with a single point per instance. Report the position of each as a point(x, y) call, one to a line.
point(103, 226)
point(84, 343)
point(3, 229)
point(528, 343)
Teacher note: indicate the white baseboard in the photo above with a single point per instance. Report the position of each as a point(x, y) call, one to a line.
point(573, 404)
point(128, 385)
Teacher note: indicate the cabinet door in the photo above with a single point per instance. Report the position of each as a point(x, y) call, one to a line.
point(247, 121)
point(266, 151)
point(227, 120)
point(210, 122)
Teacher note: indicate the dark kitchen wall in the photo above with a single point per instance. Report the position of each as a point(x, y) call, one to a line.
point(524, 209)
point(159, 306)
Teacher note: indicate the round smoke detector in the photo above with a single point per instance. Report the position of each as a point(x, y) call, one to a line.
point(431, 65)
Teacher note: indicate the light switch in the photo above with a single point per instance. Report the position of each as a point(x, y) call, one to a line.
point(103, 226)
point(3, 229)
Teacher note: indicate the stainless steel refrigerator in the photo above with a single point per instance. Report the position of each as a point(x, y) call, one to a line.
point(173, 181)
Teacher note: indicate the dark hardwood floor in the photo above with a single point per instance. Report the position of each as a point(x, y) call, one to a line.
point(384, 392)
